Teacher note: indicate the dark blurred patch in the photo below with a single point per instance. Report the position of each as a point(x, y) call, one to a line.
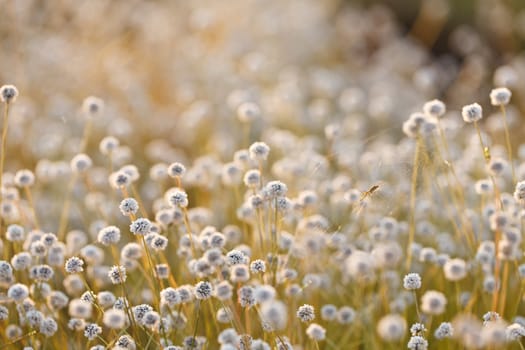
point(461, 13)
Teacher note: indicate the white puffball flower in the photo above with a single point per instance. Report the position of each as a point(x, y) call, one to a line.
point(455, 269)
point(92, 106)
point(392, 327)
point(433, 302)
point(519, 192)
point(500, 96)
point(434, 108)
point(472, 113)
point(8, 93)
point(259, 151)
point(248, 112)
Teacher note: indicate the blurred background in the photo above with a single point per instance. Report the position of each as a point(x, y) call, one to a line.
point(172, 73)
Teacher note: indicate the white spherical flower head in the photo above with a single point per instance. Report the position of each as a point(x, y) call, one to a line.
point(392, 327)
point(328, 312)
point(117, 274)
point(18, 292)
point(316, 332)
point(109, 235)
point(412, 281)
point(74, 265)
point(141, 226)
point(444, 330)
point(519, 192)
point(472, 113)
point(258, 266)
point(434, 108)
point(119, 179)
point(176, 197)
point(274, 315)
point(114, 319)
point(455, 269)
point(125, 342)
point(81, 163)
point(417, 342)
point(92, 330)
point(417, 124)
point(259, 151)
point(48, 327)
point(176, 170)
point(248, 112)
point(24, 178)
point(433, 302)
point(497, 166)
point(108, 145)
point(275, 189)
point(132, 171)
point(129, 206)
point(41, 272)
point(500, 96)
point(515, 331)
point(418, 329)
point(8, 93)
point(170, 296)
point(203, 290)
point(15, 233)
point(92, 106)
point(252, 178)
point(306, 313)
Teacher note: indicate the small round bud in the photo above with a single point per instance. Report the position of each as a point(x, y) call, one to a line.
point(391, 328)
point(128, 206)
point(141, 226)
point(248, 112)
point(117, 274)
point(472, 113)
point(92, 330)
point(119, 179)
point(92, 106)
point(252, 178)
point(328, 312)
point(258, 266)
point(24, 178)
point(306, 313)
point(316, 332)
point(434, 108)
point(132, 171)
point(114, 319)
point(176, 197)
point(80, 163)
point(109, 235)
point(158, 172)
point(18, 292)
point(412, 281)
point(8, 93)
point(433, 302)
point(417, 342)
point(176, 170)
point(203, 290)
point(455, 269)
point(259, 151)
point(500, 96)
point(519, 192)
point(444, 330)
point(15, 233)
point(108, 145)
point(74, 265)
